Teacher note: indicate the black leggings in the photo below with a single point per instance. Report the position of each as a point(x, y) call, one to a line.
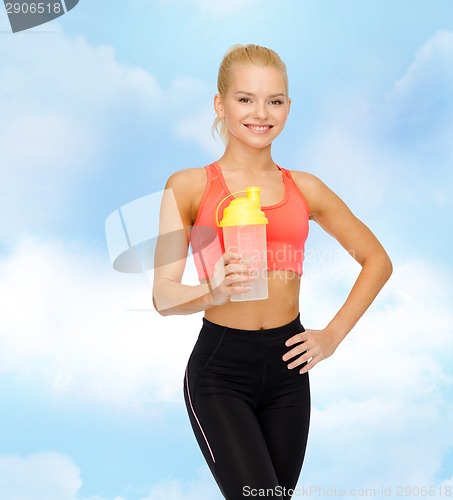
point(249, 412)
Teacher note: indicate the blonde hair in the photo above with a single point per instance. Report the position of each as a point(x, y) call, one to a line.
point(244, 54)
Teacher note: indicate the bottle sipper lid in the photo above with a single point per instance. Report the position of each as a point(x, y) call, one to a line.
point(244, 211)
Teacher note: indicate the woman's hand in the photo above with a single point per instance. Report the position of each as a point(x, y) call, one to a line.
point(230, 278)
point(312, 347)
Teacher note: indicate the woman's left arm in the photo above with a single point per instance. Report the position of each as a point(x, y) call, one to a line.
point(332, 214)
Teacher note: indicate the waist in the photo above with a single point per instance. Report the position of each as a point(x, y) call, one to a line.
point(279, 331)
point(281, 307)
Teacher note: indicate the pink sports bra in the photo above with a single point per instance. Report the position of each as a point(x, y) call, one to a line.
point(286, 231)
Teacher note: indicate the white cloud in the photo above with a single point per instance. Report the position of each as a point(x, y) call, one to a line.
point(448, 483)
point(64, 73)
point(65, 104)
point(344, 154)
point(45, 476)
point(221, 9)
point(419, 108)
point(65, 324)
point(395, 146)
point(382, 404)
point(197, 128)
point(41, 476)
point(202, 486)
point(216, 10)
point(66, 107)
point(432, 67)
point(382, 408)
point(192, 101)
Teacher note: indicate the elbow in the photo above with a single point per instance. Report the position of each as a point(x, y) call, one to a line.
point(385, 264)
point(162, 312)
point(388, 267)
point(381, 262)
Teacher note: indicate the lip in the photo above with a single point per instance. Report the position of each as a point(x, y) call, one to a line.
point(258, 128)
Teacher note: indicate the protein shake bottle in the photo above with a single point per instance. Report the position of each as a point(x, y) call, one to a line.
point(244, 232)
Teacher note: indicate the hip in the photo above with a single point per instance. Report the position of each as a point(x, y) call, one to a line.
point(224, 352)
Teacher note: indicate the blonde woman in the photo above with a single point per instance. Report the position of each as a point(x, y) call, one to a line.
point(246, 385)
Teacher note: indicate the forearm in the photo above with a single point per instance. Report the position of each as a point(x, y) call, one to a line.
point(171, 298)
point(376, 270)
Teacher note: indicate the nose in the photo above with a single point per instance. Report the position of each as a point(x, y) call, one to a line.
point(260, 111)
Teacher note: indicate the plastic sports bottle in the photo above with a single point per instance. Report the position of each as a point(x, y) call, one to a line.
point(244, 233)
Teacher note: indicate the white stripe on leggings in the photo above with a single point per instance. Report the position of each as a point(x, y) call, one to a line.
point(195, 415)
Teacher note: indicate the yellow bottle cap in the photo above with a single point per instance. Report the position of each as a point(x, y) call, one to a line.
point(244, 211)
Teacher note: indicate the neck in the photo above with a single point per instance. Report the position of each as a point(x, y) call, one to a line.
point(249, 159)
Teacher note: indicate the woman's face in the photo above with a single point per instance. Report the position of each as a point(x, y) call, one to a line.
point(255, 106)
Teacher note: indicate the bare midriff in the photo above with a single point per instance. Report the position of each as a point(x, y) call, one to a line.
point(280, 308)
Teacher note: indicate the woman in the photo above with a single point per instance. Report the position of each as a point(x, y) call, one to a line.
point(246, 385)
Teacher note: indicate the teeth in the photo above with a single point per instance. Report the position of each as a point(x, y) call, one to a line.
point(259, 129)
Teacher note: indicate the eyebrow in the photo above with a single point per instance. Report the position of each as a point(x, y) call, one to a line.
point(251, 94)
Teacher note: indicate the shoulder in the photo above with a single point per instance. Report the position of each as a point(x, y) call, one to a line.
point(187, 183)
point(187, 178)
point(188, 186)
point(313, 189)
point(306, 180)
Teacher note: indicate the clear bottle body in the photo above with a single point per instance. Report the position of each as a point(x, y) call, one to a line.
point(249, 241)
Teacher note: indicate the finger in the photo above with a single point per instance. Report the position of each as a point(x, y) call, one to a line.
point(299, 349)
point(232, 279)
point(231, 257)
point(238, 289)
point(305, 358)
point(310, 364)
point(296, 339)
point(238, 268)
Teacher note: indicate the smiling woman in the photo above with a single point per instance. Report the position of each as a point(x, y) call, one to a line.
point(262, 59)
point(262, 111)
point(246, 384)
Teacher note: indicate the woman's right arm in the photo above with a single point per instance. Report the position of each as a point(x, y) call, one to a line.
point(170, 296)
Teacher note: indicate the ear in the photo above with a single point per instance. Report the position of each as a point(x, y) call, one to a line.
point(218, 106)
point(289, 104)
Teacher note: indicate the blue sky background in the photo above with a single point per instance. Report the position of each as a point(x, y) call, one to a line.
point(97, 109)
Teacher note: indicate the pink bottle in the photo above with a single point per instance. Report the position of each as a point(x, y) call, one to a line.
point(244, 232)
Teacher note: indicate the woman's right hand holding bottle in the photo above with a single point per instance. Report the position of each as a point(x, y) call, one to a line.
point(230, 277)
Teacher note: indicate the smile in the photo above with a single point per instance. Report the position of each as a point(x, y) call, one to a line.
point(259, 129)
